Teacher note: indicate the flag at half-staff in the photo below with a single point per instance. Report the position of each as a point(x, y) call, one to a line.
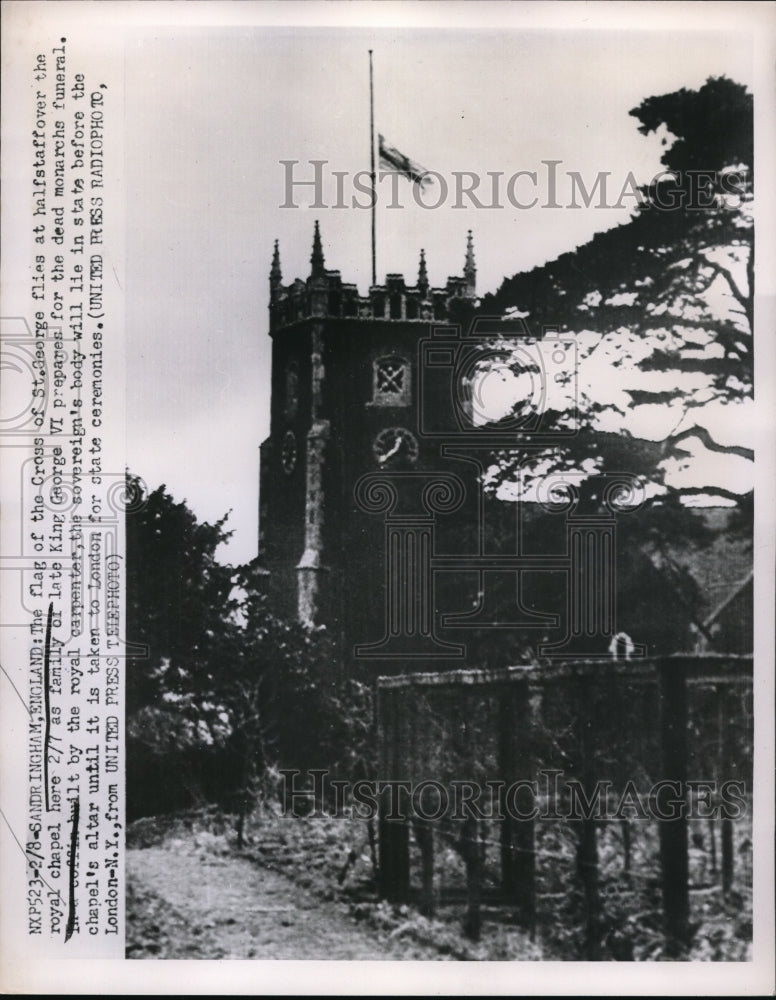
point(392, 159)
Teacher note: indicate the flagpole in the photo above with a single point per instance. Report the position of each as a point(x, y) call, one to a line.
point(372, 162)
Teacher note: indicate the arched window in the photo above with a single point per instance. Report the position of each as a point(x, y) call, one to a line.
point(391, 381)
point(621, 647)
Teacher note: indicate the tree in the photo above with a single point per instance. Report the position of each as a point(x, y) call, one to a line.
point(307, 713)
point(178, 593)
point(228, 689)
point(706, 294)
point(662, 309)
point(178, 599)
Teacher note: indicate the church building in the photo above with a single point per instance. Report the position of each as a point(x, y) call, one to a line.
point(344, 404)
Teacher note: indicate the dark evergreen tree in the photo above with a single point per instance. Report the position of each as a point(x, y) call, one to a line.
point(227, 691)
point(661, 307)
point(669, 293)
point(178, 593)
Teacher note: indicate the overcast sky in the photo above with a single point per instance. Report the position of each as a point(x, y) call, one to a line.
point(209, 115)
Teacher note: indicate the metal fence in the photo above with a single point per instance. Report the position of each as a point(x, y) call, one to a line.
point(542, 780)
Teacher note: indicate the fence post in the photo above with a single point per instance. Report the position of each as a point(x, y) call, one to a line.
point(625, 827)
point(421, 766)
point(394, 847)
point(712, 827)
point(424, 835)
point(727, 751)
point(673, 832)
point(587, 830)
point(392, 834)
point(587, 868)
point(727, 855)
point(469, 840)
point(470, 849)
point(518, 871)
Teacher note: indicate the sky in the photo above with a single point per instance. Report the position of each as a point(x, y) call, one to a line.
point(210, 115)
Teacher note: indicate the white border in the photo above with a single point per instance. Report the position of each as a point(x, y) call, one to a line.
point(369, 978)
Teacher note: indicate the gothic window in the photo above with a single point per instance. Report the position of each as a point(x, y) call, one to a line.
point(292, 390)
point(391, 382)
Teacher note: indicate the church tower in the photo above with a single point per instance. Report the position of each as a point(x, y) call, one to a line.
point(345, 387)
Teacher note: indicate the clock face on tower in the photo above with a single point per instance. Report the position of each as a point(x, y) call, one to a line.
point(288, 453)
point(395, 446)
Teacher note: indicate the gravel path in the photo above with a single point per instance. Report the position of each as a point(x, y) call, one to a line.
point(186, 903)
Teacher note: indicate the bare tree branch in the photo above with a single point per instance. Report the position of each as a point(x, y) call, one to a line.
point(699, 491)
point(706, 439)
point(738, 295)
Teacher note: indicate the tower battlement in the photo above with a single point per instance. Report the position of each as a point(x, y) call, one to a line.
point(325, 295)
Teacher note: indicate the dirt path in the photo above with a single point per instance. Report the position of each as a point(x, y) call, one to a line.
point(185, 903)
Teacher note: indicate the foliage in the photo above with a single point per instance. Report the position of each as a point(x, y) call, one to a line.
point(228, 688)
point(661, 308)
point(314, 715)
point(329, 859)
point(177, 592)
point(658, 600)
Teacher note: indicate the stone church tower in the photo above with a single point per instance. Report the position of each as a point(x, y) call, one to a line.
point(373, 520)
point(345, 385)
